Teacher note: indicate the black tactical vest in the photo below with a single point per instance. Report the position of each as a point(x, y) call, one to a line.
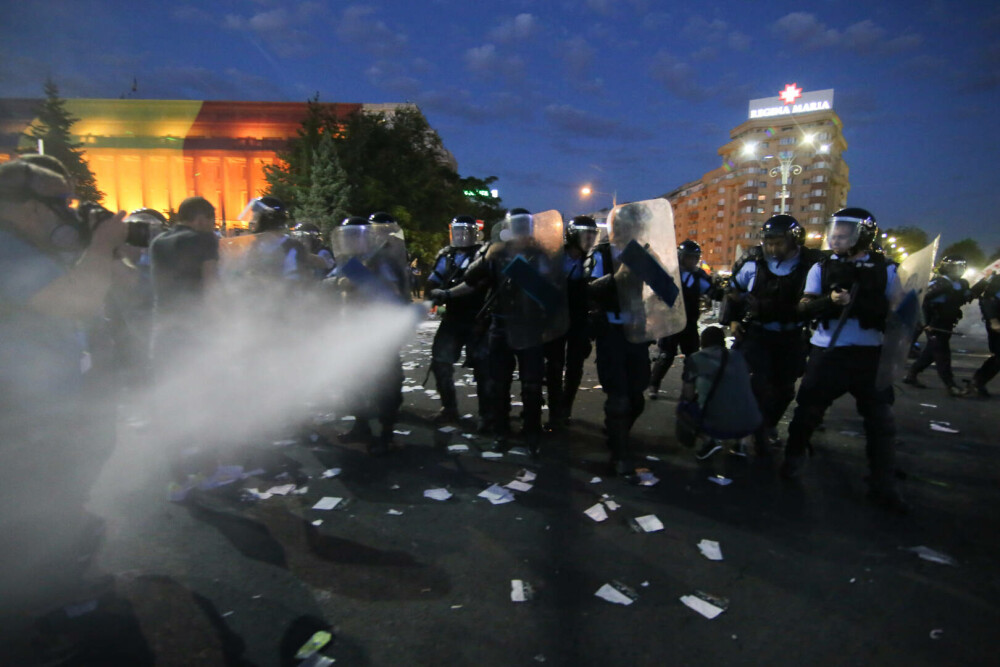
point(452, 275)
point(777, 296)
point(944, 314)
point(871, 307)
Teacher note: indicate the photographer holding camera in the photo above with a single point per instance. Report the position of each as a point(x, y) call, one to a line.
point(55, 269)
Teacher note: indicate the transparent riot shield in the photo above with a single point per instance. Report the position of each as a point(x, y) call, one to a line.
point(905, 314)
point(642, 237)
point(371, 260)
point(234, 253)
point(533, 288)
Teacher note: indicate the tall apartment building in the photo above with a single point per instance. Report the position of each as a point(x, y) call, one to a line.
point(794, 140)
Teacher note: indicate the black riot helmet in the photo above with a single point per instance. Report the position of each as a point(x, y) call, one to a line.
point(309, 235)
point(688, 254)
point(851, 230)
point(781, 236)
point(783, 226)
point(463, 230)
point(952, 266)
point(520, 223)
point(582, 233)
point(381, 217)
point(265, 214)
point(353, 238)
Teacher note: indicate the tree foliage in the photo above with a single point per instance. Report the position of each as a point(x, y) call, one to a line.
point(53, 128)
point(389, 162)
point(325, 202)
point(909, 238)
point(969, 249)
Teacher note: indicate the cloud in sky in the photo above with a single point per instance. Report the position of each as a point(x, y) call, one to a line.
point(487, 59)
point(715, 31)
point(521, 27)
point(865, 37)
point(358, 25)
point(285, 30)
point(569, 119)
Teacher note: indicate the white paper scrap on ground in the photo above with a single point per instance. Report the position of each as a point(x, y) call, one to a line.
point(612, 594)
point(348, 418)
point(649, 523)
point(647, 478)
point(259, 495)
point(447, 429)
point(595, 480)
point(710, 549)
point(318, 522)
point(933, 556)
point(519, 485)
point(467, 416)
point(519, 451)
point(650, 457)
point(520, 591)
point(394, 513)
point(525, 476)
point(437, 494)
point(941, 428)
point(458, 448)
point(283, 443)
point(927, 405)
point(330, 473)
point(401, 432)
point(597, 512)
point(497, 495)
point(611, 505)
point(327, 503)
point(492, 455)
point(282, 490)
point(706, 609)
point(720, 480)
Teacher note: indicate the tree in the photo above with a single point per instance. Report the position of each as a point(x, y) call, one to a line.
point(970, 250)
point(325, 202)
point(392, 162)
point(994, 257)
point(53, 128)
point(909, 238)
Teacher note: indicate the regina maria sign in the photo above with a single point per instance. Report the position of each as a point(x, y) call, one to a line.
point(792, 101)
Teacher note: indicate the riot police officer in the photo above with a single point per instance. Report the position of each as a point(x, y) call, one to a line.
point(942, 306)
point(458, 328)
point(568, 352)
point(372, 268)
point(848, 295)
point(320, 257)
point(764, 296)
point(988, 291)
point(519, 325)
point(695, 283)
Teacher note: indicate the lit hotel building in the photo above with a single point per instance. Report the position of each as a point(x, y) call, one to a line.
point(155, 153)
point(796, 137)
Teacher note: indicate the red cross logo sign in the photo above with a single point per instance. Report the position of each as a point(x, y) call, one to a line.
point(791, 93)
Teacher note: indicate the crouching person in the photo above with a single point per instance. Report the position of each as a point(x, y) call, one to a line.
point(717, 399)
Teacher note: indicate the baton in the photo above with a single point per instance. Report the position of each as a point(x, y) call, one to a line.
point(843, 316)
point(936, 330)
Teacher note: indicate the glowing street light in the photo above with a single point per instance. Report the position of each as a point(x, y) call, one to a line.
point(586, 191)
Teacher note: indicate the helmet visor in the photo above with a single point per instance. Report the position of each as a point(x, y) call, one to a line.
point(463, 235)
point(842, 235)
point(521, 225)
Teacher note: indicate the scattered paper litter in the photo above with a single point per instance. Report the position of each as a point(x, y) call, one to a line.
point(492, 455)
point(467, 416)
point(940, 428)
point(649, 523)
point(525, 476)
point(437, 494)
point(611, 505)
point(347, 418)
point(283, 443)
point(597, 512)
point(650, 457)
point(330, 473)
point(645, 584)
point(702, 606)
point(497, 495)
point(710, 549)
point(401, 432)
point(327, 503)
point(301, 491)
point(473, 395)
point(318, 522)
point(518, 485)
point(933, 556)
point(447, 429)
point(257, 495)
point(927, 405)
point(936, 633)
point(282, 490)
point(461, 447)
point(720, 480)
point(314, 644)
point(519, 451)
point(468, 436)
point(595, 480)
point(617, 592)
point(394, 513)
point(520, 591)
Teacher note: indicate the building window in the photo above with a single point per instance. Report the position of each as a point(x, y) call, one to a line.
point(805, 181)
point(762, 184)
point(722, 202)
point(721, 190)
point(816, 193)
point(720, 214)
point(785, 141)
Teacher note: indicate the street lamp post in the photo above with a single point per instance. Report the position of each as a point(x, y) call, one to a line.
point(586, 191)
point(786, 169)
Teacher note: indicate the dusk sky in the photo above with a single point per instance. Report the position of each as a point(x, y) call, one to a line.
point(632, 96)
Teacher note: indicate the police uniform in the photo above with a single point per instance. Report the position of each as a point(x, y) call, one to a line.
point(694, 285)
point(989, 304)
point(942, 308)
point(458, 329)
point(772, 341)
point(622, 367)
point(570, 350)
point(850, 366)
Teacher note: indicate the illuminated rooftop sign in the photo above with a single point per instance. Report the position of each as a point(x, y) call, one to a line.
point(790, 101)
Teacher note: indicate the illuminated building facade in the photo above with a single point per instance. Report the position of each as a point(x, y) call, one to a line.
point(155, 153)
point(724, 209)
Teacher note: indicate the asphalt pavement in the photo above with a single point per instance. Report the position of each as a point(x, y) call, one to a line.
point(810, 573)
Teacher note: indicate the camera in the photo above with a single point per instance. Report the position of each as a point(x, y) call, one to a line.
point(142, 227)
